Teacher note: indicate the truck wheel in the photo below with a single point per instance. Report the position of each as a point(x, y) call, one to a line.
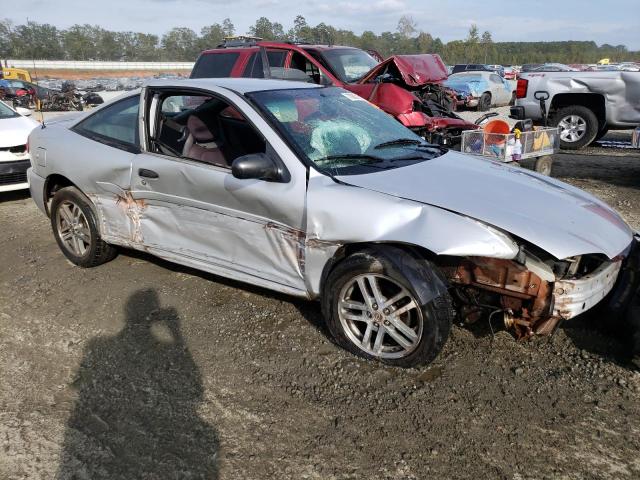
point(601, 134)
point(372, 310)
point(578, 126)
point(484, 103)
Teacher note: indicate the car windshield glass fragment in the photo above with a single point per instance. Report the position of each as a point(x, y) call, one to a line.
point(349, 64)
point(340, 132)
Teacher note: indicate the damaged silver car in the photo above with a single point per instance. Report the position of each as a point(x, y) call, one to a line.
point(314, 192)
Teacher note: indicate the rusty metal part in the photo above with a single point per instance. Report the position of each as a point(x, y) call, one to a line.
point(524, 297)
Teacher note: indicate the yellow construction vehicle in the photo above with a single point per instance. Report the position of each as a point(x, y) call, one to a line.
point(15, 74)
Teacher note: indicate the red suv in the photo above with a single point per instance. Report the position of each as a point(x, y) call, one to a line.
point(409, 87)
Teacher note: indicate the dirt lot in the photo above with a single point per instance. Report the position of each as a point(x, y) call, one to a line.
point(139, 369)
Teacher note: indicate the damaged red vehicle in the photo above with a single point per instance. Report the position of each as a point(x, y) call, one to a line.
point(409, 87)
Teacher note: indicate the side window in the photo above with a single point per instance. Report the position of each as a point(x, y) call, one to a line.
point(115, 125)
point(205, 129)
point(254, 67)
point(214, 65)
point(302, 63)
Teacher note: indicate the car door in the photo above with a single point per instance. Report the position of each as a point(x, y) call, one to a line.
point(499, 90)
point(107, 143)
point(197, 213)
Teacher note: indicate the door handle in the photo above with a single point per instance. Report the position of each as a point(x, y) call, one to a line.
point(145, 172)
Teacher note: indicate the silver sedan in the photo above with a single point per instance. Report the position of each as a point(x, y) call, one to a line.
point(314, 192)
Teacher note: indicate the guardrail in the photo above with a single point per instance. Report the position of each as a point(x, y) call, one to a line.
point(96, 65)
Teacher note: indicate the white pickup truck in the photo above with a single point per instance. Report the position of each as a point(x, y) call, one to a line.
point(585, 105)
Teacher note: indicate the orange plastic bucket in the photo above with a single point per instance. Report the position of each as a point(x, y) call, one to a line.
point(495, 131)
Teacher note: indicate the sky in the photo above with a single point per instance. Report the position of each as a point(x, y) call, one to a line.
point(604, 21)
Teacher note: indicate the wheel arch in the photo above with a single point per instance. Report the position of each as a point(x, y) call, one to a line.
point(55, 182)
point(410, 260)
point(593, 101)
point(52, 184)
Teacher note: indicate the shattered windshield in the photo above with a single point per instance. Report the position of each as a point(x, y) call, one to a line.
point(349, 64)
point(340, 132)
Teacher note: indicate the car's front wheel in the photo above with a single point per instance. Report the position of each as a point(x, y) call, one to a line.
point(372, 310)
point(75, 229)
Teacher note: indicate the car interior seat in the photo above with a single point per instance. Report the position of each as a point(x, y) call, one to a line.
point(201, 144)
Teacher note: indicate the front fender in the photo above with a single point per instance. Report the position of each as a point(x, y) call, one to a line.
point(339, 214)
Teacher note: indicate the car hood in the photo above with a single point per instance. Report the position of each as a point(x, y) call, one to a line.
point(560, 219)
point(467, 85)
point(416, 70)
point(16, 130)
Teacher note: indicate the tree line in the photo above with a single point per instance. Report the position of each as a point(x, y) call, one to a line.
point(44, 41)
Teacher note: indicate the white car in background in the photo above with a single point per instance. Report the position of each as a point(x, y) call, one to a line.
point(482, 89)
point(15, 127)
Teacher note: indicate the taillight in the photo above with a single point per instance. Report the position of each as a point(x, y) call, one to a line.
point(521, 88)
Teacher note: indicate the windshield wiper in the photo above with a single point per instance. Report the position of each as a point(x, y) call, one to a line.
point(351, 156)
point(400, 141)
point(430, 154)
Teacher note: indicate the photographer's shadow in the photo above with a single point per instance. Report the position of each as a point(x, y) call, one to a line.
point(136, 413)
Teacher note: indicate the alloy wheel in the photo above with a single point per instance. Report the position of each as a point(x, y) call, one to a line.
point(572, 128)
point(380, 316)
point(73, 228)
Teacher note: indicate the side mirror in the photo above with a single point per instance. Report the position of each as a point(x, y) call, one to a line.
point(259, 166)
point(25, 112)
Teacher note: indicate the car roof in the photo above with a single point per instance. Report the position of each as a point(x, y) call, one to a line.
point(256, 45)
point(239, 85)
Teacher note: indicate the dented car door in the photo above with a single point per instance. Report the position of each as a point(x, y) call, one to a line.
point(251, 230)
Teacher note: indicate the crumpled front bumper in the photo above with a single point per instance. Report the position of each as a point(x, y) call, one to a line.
point(620, 277)
point(573, 297)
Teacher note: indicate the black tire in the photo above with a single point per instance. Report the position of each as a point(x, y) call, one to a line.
point(96, 251)
point(585, 115)
point(484, 103)
point(601, 134)
point(436, 316)
point(544, 165)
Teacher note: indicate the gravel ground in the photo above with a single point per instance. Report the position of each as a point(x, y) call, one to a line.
point(142, 369)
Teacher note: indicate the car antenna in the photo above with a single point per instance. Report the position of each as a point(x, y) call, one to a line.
point(38, 103)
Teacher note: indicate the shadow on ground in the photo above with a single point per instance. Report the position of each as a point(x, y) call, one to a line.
point(14, 195)
point(137, 398)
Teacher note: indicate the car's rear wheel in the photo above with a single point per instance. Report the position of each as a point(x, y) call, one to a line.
point(75, 229)
point(373, 311)
point(578, 126)
point(601, 134)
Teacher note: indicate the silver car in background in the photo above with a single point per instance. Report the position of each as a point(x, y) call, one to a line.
point(314, 192)
point(583, 105)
